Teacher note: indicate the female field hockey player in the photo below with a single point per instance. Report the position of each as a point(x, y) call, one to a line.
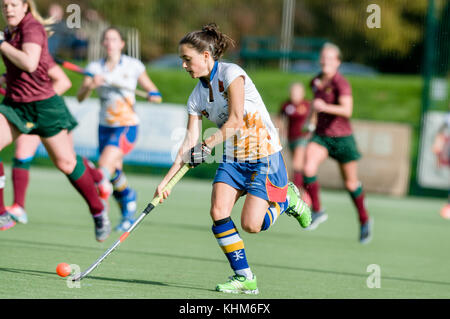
point(118, 127)
point(31, 106)
point(333, 137)
point(297, 111)
point(25, 149)
point(253, 164)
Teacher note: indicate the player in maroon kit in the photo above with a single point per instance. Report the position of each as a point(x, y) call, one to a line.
point(31, 106)
point(333, 137)
point(297, 111)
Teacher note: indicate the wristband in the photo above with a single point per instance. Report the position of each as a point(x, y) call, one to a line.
point(154, 93)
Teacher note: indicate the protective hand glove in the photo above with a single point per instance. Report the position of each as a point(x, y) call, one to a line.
point(198, 154)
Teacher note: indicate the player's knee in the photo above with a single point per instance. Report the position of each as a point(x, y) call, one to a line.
point(297, 166)
point(351, 185)
point(4, 142)
point(251, 227)
point(217, 213)
point(309, 170)
point(66, 165)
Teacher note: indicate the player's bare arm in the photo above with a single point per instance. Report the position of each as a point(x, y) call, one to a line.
point(344, 108)
point(147, 84)
point(26, 59)
point(89, 84)
point(61, 82)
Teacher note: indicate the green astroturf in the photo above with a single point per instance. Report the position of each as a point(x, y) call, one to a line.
point(173, 253)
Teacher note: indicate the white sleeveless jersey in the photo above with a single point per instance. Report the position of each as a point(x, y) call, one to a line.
point(258, 137)
point(117, 105)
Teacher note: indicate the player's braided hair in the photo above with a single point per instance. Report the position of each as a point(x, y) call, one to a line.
point(209, 38)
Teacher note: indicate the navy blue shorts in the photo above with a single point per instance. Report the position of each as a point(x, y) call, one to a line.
point(123, 137)
point(265, 178)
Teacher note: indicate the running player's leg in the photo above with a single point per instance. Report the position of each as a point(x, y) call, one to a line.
point(114, 144)
point(223, 199)
point(298, 162)
point(349, 173)
point(126, 197)
point(63, 156)
point(269, 182)
point(254, 211)
point(26, 146)
point(8, 133)
point(315, 155)
point(288, 200)
point(110, 163)
point(96, 174)
point(110, 158)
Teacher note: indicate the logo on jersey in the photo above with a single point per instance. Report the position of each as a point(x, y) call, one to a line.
point(254, 174)
point(205, 114)
point(290, 109)
point(222, 90)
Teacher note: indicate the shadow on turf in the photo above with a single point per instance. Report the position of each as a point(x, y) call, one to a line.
point(132, 281)
point(84, 248)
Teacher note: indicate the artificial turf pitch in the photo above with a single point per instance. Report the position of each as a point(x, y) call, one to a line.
point(173, 253)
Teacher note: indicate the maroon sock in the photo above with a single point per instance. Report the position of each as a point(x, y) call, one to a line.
point(82, 180)
point(20, 178)
point(298, 179)
point(358, 200)
point(2, 185)
point(95, 173)
point(313, 191)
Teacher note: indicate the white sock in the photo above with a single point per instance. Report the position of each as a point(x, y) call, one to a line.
point(245, 272)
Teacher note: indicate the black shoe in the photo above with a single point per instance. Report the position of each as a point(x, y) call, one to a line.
point(365, 235)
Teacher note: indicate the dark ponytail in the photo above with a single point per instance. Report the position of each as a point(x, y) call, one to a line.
point(209, 39)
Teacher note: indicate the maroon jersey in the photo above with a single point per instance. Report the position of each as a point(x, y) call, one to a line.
point(329, 124)
point(297, 116)
point(23, 86)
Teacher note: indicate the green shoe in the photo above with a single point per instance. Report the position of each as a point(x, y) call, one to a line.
point(239, 285)
point(297, 207)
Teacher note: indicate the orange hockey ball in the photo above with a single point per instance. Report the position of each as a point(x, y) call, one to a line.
point(63, 270)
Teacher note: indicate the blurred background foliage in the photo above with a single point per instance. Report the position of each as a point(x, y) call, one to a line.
point(396, 47)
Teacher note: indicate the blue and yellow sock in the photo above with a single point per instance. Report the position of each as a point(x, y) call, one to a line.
point(232, 245)
point(273, 212)
point(120, 184)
